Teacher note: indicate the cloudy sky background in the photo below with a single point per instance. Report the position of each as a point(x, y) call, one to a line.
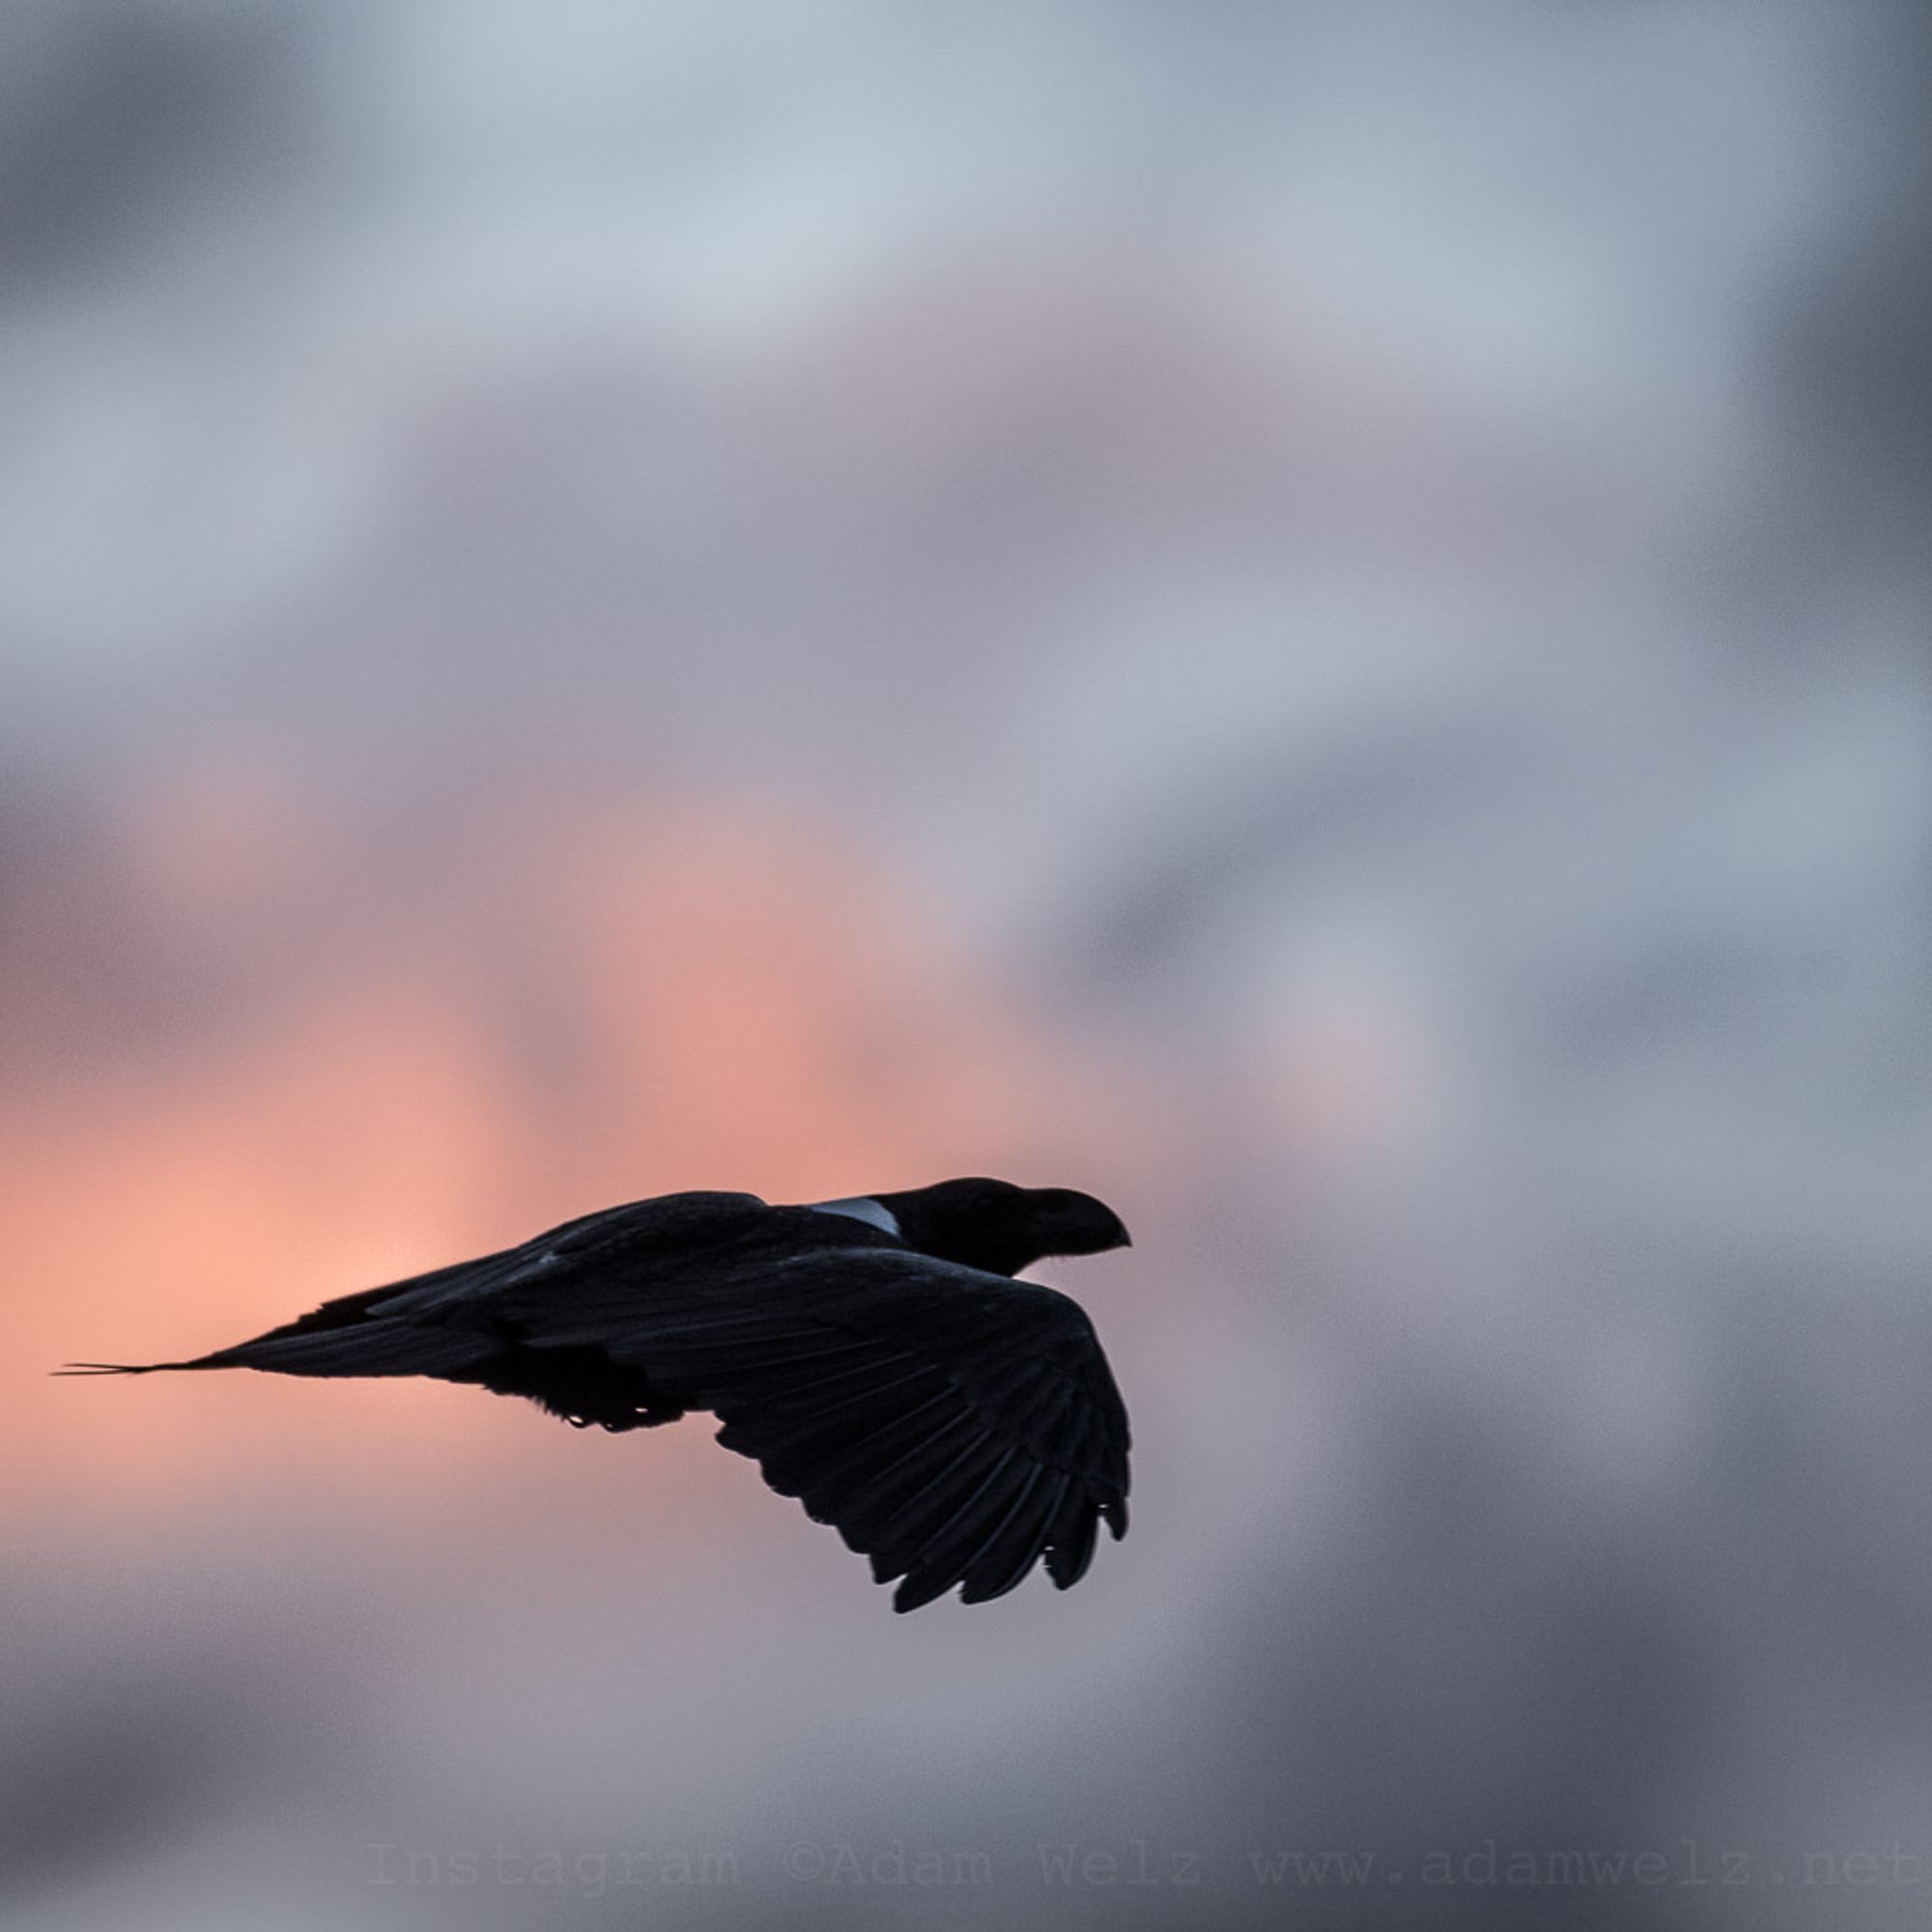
point(1312, 619)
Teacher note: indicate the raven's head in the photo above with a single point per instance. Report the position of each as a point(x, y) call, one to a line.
point(1003, 1229)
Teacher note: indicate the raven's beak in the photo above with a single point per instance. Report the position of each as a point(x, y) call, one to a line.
point(1077, 1224)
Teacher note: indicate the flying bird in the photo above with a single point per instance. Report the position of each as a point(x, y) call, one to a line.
point(874, 1355)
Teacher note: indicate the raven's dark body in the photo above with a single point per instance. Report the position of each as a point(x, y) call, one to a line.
point(955, 1425)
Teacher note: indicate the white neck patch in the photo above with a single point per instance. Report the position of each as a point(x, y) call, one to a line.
point(861, 1207)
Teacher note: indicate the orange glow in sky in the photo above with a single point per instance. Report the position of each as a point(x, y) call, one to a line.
point(702, 998)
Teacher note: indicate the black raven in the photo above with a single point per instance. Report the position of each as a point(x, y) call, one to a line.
point(873, 1356)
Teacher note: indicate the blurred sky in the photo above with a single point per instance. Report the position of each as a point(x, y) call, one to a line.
point(1311, 618)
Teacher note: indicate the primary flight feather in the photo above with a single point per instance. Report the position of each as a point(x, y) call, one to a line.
point(872, 1354)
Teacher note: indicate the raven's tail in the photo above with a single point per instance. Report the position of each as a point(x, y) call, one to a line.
point(366, 1333)
point(131, 1368)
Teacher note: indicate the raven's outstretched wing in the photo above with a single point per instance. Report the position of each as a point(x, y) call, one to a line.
point(953, 1426)
point(971, 1427)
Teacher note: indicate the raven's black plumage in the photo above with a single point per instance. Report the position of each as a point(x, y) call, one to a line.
point(873, 1356)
